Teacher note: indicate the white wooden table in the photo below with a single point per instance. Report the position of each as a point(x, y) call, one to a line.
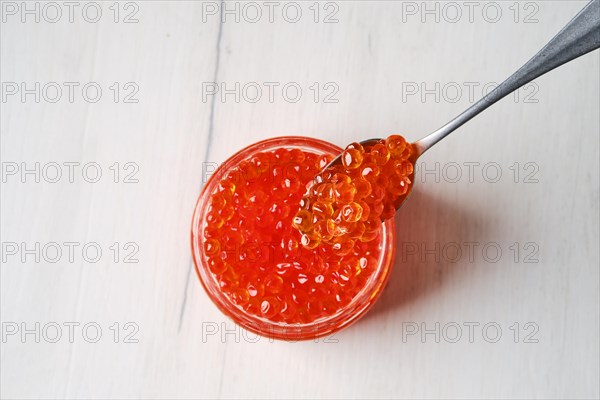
point(495, 288)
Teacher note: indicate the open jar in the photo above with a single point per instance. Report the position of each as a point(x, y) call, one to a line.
point(251, 261)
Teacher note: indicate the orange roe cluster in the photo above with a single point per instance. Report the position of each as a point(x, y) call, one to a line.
point(346, 202)
point(256, 256)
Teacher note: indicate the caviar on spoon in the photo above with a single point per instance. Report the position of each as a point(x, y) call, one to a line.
point(369, 181)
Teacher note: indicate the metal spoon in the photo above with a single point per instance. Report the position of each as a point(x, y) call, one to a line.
point(580, 36)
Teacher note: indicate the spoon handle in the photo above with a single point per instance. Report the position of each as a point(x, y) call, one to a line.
point(578, 37)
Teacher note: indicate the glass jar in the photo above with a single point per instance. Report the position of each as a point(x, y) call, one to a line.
point(356, 308)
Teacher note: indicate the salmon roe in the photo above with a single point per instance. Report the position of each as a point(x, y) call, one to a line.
point(346, 203)
point(265, 267)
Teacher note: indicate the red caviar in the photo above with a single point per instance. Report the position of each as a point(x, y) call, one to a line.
point(346, 202)
point(260, 269)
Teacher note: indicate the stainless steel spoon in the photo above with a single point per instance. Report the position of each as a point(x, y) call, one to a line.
point(580, 36)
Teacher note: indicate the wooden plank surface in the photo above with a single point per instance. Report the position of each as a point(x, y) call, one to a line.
point(365, 69)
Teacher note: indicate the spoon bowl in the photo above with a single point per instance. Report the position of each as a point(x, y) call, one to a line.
point(371, 142)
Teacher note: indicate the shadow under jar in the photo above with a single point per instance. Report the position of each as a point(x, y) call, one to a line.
point(251, 262)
